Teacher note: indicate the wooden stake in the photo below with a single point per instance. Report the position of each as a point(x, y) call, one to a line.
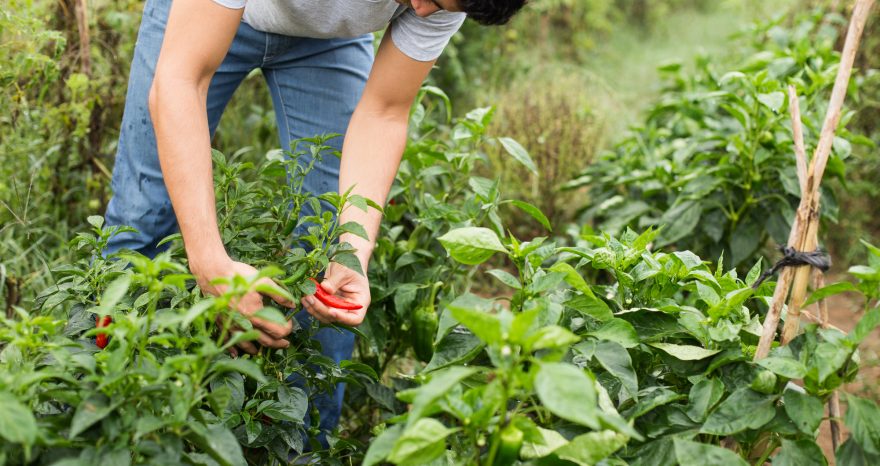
point(797, 131)
point(804, 233)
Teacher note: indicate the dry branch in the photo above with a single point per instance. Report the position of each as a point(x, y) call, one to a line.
point(82, 25)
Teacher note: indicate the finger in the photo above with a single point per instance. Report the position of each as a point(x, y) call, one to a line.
point(318, 310)
point(273, 329)
point(233, 352)
point(270, 342)
point(248, 347)
point(350, 318)
point(276, 297)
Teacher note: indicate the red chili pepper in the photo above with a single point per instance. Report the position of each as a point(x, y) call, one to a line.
point(102, 338)
point(332, 300)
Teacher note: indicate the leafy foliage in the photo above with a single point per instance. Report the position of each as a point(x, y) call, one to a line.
point(713, 163)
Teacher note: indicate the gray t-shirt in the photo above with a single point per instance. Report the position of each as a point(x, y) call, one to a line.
point(421, 39)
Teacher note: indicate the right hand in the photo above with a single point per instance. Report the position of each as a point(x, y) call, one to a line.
point(272, 335)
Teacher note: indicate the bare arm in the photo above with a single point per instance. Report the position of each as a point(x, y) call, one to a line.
point(374, 144)
point(191, 52)
point(197, 37)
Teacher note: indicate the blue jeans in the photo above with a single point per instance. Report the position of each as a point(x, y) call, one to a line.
point(315, 85)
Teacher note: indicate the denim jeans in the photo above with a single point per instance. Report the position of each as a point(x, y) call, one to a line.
point(315, 85)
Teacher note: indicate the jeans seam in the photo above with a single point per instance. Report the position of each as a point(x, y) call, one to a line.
point(283, 107)
point(266, 56)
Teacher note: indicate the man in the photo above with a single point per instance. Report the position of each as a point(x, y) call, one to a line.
point(317, 58)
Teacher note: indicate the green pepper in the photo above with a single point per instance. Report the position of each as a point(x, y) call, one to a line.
point(424, 325)
point(764, 382)
point(511, 439)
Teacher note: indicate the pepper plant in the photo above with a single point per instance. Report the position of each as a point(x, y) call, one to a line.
point(654, 366)
point(713, 162)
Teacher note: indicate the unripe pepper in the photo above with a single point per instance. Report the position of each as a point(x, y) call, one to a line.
point(511, 439)
point(425, 323)
point(101, 339)
point(332, 300)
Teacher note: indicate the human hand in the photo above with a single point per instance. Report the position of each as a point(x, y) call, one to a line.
point(271, 334)
point(348, 284)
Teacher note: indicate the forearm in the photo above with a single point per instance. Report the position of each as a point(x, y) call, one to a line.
point(371, 155)
point(179, 115)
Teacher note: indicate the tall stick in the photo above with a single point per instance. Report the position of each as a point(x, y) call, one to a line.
point(809, 242)
point(804, 234)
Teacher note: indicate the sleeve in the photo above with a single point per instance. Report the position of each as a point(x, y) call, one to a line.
point(423, 39)
point(233, 4)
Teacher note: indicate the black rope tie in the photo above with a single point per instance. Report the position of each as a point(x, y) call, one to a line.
point(792, 258)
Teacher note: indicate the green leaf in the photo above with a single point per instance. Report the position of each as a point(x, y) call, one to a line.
point(195, 311)
point(830, 290)
point(685, 352)
point(754, 272)
point(541, 443)
point(96, 221)
point(863, 420)
point(590, 448)
point(241, 366)
point(440, 384)
point(471, 245)
point(89, 411)
point(616, 360)
point(455, 348)
point(704, 395)
point(17, 423)
point(618, 331)
point(114, 293)
point(552, 336)
point(543, 282)
point(828, 358)
point(655, 397)
point(488, 327)
point(743, 409)
point(590, 305)
point(690, 453)
point(806, 411)
point(270, 314)
point(534, 212)
point(218, 442)
point(773, 100)
point(851, 454)
point(788, 368)
point(381, 446)
point(356, 229)
point(865, 326)
point(506, 278)
point(567, 392)
point(519, 153)
point(679, 221)
point(420, 443)
point(350, 261)
point(573, 278)
point(690, 260)
point(801, 452)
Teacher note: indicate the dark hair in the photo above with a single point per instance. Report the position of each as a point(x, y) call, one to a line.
point(491, 12)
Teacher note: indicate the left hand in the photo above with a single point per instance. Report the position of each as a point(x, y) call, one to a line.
point(348, 284)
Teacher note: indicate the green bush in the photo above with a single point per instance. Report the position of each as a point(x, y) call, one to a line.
point(713, 162)
point(551, 112)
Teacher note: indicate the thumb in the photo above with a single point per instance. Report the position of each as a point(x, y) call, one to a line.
point(333, 280)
